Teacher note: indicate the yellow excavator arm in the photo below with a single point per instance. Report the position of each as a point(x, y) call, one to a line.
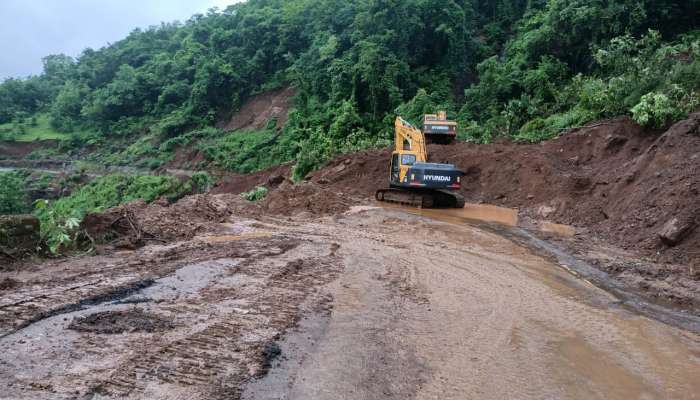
point(409, 139)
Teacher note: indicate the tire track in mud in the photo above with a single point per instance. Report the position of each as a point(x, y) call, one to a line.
point(120, 280)
point(231, 349)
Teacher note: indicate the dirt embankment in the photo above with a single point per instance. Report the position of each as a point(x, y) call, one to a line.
point(135, 224)
point(10, 150)
point(260, 109)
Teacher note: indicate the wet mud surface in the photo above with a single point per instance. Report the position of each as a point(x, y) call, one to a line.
point(370, 304)
point(113, 322)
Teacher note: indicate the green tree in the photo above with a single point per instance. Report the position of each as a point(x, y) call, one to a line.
point(13, 197)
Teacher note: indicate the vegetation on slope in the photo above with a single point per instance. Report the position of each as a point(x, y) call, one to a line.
point(13, 197)
point(523, 69)
point(60, 218)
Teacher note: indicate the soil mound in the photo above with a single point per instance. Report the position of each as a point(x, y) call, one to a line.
point(10, 150)
point(624, 183)
point(258, 110)
point(115, 322)
point(136, 223)
point(305, 197)
point(239, 183)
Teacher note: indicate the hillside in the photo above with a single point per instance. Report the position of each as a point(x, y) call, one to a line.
point(190, 212)
point(525, 70)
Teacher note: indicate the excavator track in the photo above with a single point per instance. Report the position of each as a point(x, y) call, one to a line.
point(421, 199)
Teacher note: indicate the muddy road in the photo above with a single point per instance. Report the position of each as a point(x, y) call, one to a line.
point(371, 304)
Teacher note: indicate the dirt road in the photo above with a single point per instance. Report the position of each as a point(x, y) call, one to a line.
point(373, 304)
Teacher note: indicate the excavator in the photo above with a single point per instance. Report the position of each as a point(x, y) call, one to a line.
point(438, 129)
point(413, 180)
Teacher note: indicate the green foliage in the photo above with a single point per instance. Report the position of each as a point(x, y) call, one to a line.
point(13, 197)
point(59, 219)
point(658, 110)
point(57, 231)
point(37, 127)
point(522, 69)
point(314, 151)
point(199, 182)
point(245, 151)
point(66, 108)
point(256, 194)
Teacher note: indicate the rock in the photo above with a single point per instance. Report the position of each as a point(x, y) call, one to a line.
point(675, 230)
point(19, 234)
point(275, 181)
point(545, 211)
point(614, 141)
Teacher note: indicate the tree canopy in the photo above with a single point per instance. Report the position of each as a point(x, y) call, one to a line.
point(523, 68)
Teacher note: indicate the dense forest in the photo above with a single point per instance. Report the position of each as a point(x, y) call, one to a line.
point(524, 69)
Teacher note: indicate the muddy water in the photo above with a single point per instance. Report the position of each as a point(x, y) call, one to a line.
point(435, 310)
point(470, 212)
point(559, 229)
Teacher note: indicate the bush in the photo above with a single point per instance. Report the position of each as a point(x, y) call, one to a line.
point(59, 219)
point(200, 182)
point(256, 194)
point(314, 151)
point(13, 198)
point(654, 109)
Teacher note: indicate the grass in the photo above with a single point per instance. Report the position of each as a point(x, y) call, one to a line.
point(42, 130)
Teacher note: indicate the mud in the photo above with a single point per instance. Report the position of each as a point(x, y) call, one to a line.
point(460, 312)
point(260, 109)
point(18, 150)
point(9, 283)
point(113, 322)
point(134, 224)
point(315, 293)
point(372, 303)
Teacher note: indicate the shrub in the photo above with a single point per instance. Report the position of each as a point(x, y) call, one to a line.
point(60, 218)
point(256, 194)
point(314, 151)
point(200, 182)
point(654, 109)
point(13, 198)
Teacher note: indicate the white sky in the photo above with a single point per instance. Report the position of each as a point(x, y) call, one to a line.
point(32, 29)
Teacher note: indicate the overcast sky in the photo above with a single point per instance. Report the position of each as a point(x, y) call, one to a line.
point(32, 29)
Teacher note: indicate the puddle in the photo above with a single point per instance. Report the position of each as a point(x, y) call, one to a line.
point(588, 372)
point(472, 212)
point(233, 238)
point(558, 229)
point(186, 281)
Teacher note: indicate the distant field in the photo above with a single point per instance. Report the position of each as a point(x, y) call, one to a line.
point(42, 130)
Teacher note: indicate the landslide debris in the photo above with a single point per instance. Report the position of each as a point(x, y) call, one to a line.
point(635, 187)
point(257, 111)
point(136, 223)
